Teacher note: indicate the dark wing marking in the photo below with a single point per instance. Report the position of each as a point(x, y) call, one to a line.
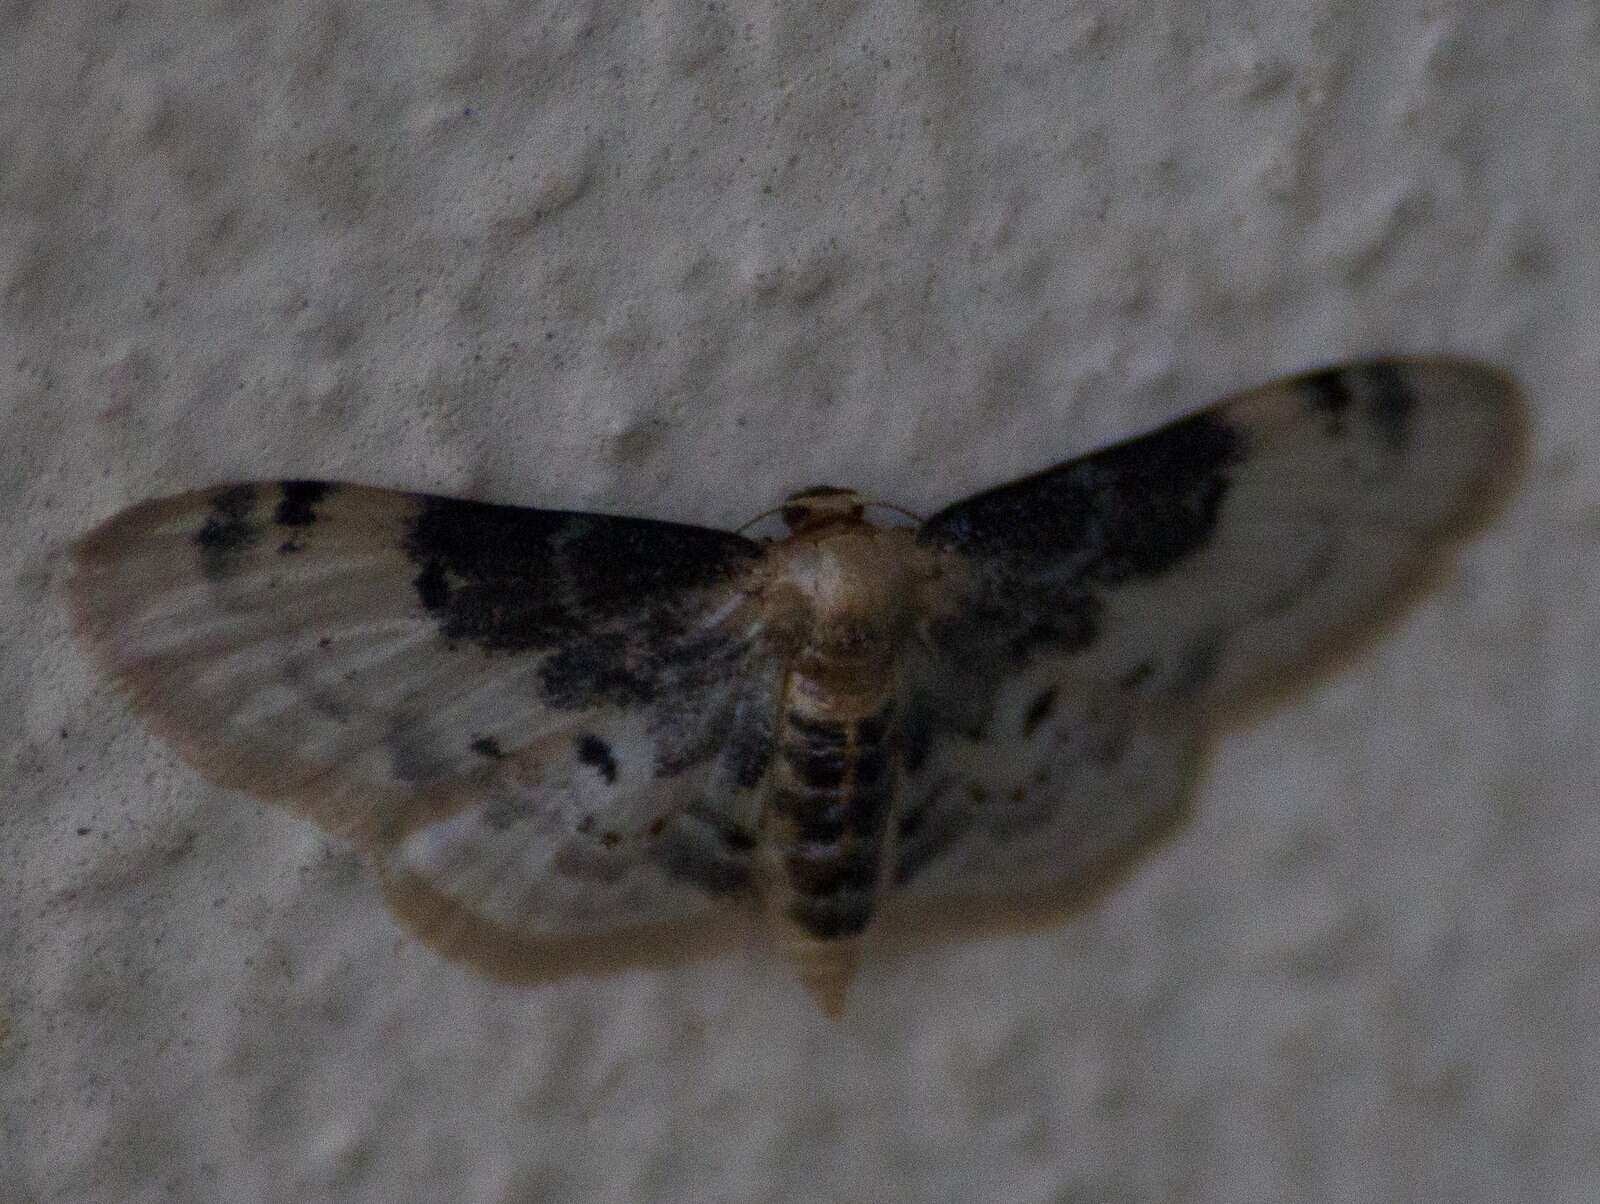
point(1039, 822)
point(1102, 610)
point(552, 722)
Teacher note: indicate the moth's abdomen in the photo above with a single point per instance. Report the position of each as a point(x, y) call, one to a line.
point(828, 810)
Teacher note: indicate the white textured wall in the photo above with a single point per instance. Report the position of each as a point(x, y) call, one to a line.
point(677, 259)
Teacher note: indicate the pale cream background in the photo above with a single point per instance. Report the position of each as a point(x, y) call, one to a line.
point(677, 259)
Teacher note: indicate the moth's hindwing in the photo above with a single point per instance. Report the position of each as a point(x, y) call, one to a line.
point(550, 723)
point(1107, 610)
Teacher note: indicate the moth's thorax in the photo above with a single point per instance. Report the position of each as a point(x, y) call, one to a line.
point(845, 593)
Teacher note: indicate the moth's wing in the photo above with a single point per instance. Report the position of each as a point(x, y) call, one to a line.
point(1029, 823)
point(1100, 613)
point(547, 726)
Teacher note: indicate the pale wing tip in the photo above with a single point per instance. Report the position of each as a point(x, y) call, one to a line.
point(98, 561)
point(1498, 449)
point(1491, 453)
point(97, 555)
point(150, 516)
point(1466, 418)
point(89, 584)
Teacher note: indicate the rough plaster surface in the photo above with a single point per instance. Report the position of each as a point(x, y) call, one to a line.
point(677, 259)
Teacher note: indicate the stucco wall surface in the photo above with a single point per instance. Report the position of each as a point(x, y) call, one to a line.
point(677, 260)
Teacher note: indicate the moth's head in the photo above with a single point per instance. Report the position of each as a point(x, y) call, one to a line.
point(822, 506)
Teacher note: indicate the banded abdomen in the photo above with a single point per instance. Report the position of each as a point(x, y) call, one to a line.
point(839, 598)
point(825, 830)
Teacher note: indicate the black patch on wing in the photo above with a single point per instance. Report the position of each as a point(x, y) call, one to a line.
point(1387, 399)
point(1390, 401)
point(596, 668)
point(488, 746)
point(632, 664)
point(1048, 543)
point(296, 511)
point(512, 579)
point(1328, 394)
point(1133, 510)
point(596, 753)
point(1039, 709)
point(228, 530)
point(614, 602)
point(297, 502)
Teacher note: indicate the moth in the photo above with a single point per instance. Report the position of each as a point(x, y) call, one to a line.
point(567, 739)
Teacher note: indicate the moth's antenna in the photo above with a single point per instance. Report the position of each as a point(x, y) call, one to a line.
point(784, 505)
point(904, 513)
point(758, 518)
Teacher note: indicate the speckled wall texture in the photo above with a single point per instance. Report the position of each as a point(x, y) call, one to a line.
point(678, 260)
